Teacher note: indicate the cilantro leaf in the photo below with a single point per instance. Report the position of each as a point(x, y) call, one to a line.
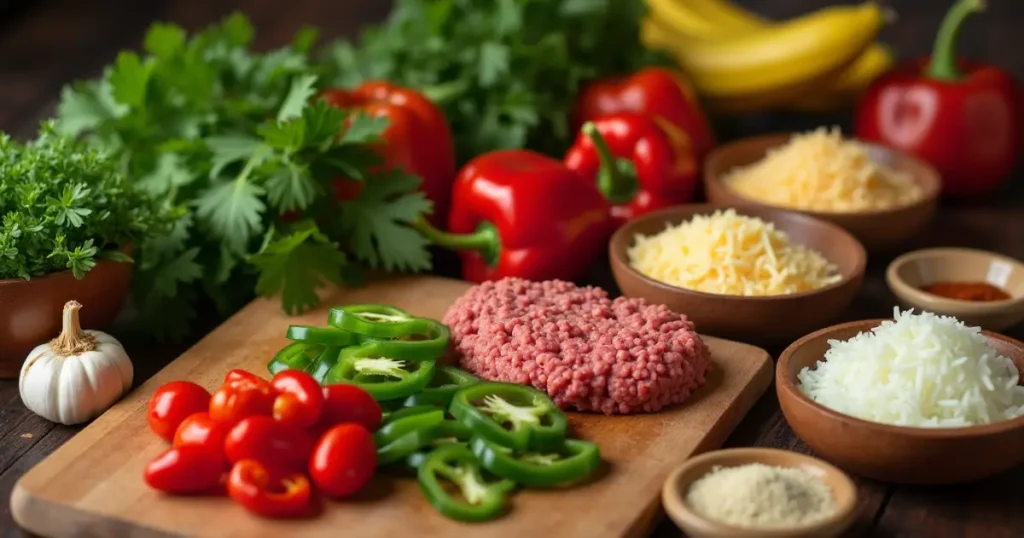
point(375, 222)
point(181, 269)
point(291, 188)
point(365, 129)
point(129, 79)
point(84, 108)
point(233, 211)
point(298, 97)
point(164, 40)
point(170, 172)
point(230, 149)
point(296, 265)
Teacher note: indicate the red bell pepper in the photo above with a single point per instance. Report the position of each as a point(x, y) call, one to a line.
point(418, 140)
point(520, 213)
point(962, 117)
point(638, 166)
point(655, 91)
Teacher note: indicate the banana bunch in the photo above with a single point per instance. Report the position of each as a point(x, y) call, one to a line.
point(740, 62)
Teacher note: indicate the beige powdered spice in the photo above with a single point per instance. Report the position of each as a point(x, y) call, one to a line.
point(759, 495)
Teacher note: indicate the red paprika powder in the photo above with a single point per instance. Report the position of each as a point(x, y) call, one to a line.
point(966, 291)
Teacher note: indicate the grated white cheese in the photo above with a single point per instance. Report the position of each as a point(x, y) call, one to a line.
point(730, 254)
point(917, 370)
point(820, 171)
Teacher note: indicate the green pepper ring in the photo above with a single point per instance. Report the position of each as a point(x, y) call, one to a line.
point(521, 437)
point(375, 320)
point(294, 356)
point(437, 465)
point(447, 381)
point(328, 336)
point(410, 382)
point(584, 458)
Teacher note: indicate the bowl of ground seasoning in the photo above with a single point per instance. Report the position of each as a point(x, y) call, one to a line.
point(759, 493)
point(980, 288)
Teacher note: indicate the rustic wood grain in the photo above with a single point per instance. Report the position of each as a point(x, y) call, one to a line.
point(93, 481)
point(46, 43)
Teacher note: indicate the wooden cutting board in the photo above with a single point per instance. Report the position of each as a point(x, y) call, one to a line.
point(92, 485)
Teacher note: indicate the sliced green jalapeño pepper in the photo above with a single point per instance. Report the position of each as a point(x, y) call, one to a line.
point(323, 363)
point(410, 411)
point(384, 378)
point(445, 433)
point(404, 438)
point(481, 500)
point(516, 416)
point(375, 320)
point(327, 336)
point(397, 428)
point(574, 461)
point(431, 344)
point(295, 356)
point(442, 388)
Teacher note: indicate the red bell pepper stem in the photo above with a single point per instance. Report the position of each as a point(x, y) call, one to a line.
point(943, 65)
point(485, 240)
point(616, 179)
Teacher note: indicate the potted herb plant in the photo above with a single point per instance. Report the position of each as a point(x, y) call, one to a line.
point(68, 220)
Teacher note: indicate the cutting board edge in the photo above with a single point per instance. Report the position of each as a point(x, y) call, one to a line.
point(761, 381)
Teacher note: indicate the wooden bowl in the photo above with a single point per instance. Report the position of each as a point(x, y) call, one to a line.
point(30, 310)
point(673, 494)
point(764, 320)
point(889, 453)
point(879, 231)
point(907, 274)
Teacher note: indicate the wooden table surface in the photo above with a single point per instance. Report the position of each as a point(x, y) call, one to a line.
point(45, 44)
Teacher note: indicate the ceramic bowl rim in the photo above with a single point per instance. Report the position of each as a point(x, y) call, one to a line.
point(900, 286)
point(673, 492)
point(784, 382)
point(624, 232)
point(930, 182)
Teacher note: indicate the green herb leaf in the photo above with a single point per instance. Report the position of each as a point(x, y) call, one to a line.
point(296, 265)
point(298, 97)
point(375, 221)
point(129, 79)
point(233, 211)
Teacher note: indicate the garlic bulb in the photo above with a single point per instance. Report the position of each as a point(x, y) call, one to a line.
point(77, 375)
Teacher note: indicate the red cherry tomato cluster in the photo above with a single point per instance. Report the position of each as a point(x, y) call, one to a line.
point(267, 443)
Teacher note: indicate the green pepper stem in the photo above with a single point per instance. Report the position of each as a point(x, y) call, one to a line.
point(617, 177)
point(486, 240)
point(943, 62)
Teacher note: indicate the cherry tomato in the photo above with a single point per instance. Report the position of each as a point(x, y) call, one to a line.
point(344, 460)
point(349, 403)
point(172, 403)
point(269, 442)
point(252, 485)
point(242, 376)
point(300, 399)
point(185, 469)
point(242, 397)
point(200, 429)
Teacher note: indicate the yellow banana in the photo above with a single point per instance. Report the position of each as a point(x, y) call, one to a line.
point(726, 14)
point(844, 89)
point(679, 19)
point(790, 54)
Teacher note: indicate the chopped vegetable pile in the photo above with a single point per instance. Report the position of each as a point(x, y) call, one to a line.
point(64, 206)
point(445, 424)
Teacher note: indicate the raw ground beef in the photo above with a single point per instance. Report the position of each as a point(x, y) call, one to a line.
point(588, 352)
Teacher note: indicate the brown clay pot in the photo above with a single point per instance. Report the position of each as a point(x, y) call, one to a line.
point(30, 310)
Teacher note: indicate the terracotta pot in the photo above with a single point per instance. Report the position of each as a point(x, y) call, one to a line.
point(30, 310)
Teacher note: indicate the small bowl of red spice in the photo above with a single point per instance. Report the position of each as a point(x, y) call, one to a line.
point(980, 288)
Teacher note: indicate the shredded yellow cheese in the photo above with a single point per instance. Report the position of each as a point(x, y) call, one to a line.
point(820, 171)
point(730, 254)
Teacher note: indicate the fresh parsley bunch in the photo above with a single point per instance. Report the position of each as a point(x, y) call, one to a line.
point(63, 207)
point(233, 140)
point(506, 72)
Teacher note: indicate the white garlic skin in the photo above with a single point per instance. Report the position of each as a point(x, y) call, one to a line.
point(74, 389)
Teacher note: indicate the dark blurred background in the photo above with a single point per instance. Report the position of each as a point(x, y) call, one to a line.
point(45, 43)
